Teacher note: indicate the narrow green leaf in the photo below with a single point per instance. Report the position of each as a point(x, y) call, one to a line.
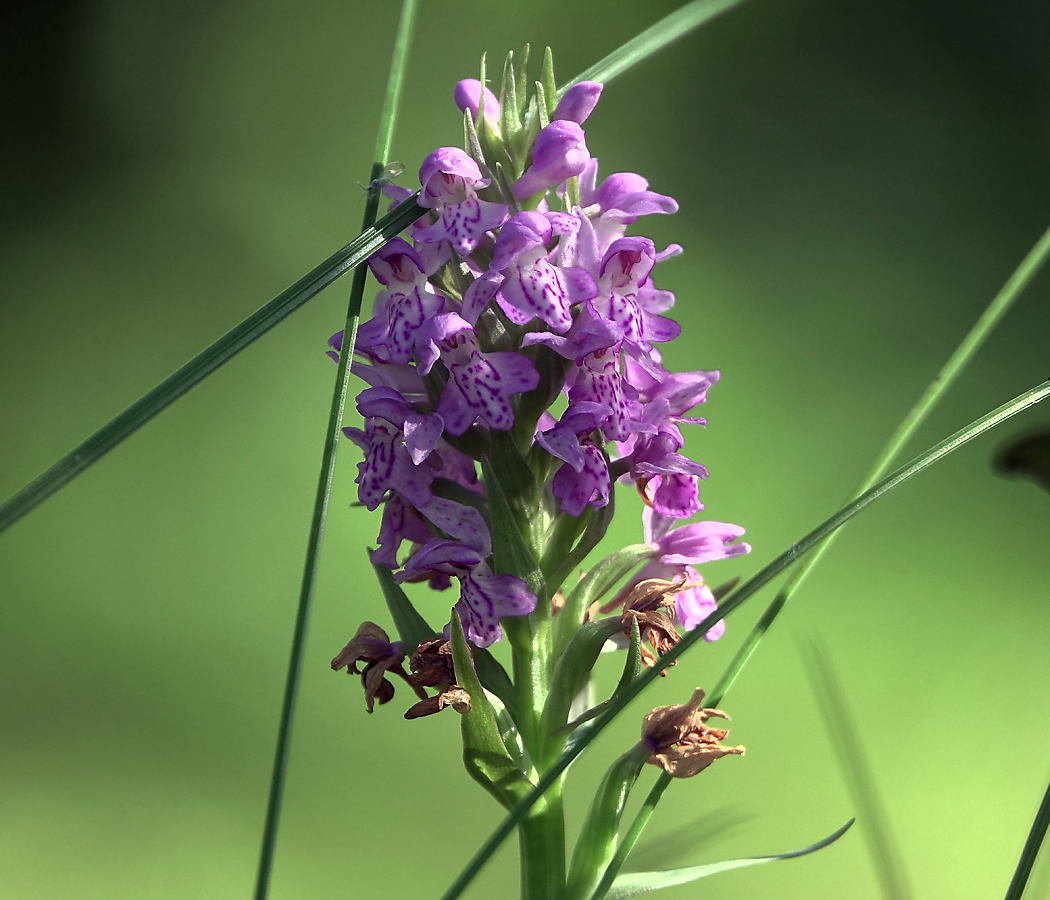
point(484, 754)
point(494, 677)
point(411, 627)
point(883, 849)
point(541, 106)
point(206, 362)
point(1030, 850)
point(631, 669)
point(950, 371)
point(736, 599)
point(550, 87)
point(594, 846)
point(574, 668)
point(635, 883)
point(521, 80)
point(327, 472)
point(595, 585)
point(559, 546)
point(665, 32)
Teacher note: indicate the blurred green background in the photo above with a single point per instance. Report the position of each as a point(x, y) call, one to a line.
point(856, 181)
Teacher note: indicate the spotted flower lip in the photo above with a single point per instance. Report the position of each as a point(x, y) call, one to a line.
point(485, 598)
point(531, 287)
point(450, 180)
point(480, 385)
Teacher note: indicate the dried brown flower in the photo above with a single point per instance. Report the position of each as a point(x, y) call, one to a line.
point(373, 647)
point(651, 602)
point(432, 667)
point(680, 741)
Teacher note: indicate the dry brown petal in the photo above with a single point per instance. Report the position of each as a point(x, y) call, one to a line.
point(370, 644)
point(432, 664)
point(454, 696)
point(687, 759)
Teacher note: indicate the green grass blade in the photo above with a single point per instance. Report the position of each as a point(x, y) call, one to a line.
point(945, 378)
point(206, 362)
point(627, 886)
point(668, 30)
point(734, 600)
point(641, 819)
point(324, 486)
point(856, 770)
point(1031, 849)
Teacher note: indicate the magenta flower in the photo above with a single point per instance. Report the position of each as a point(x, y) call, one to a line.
point(401, 309)
point(533, 288)
point(450, 180)
point(467, 95)
point(484, 598)
point(480, 385)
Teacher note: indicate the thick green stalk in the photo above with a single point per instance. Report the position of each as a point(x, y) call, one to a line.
point(324, 485)
point(945, 378)
point(541, 849)
point(736, 599)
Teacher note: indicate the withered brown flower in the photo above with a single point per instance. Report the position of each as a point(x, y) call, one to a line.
point(680, 741)
point(651, 602)
point(373, 647)
point(432, 666)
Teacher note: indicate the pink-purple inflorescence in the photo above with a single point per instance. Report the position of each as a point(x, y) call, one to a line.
point(539, 325)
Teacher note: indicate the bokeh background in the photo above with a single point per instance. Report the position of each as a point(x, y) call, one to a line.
point(856, 181)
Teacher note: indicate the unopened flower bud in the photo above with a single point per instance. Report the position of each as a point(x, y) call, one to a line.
point(467, 95)
point(577, 103)
point(560, 153)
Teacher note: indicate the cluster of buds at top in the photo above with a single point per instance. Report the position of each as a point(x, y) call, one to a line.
point(519, 326)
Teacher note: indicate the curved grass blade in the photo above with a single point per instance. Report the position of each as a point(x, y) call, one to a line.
point(324, 485)
point(636, 883)
point(206, 362)
point(886, 857)
point(945, 378)
point(736, 599)
point(1030, 850)
point(668, 30)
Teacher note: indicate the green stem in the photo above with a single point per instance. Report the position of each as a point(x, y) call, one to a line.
point(324, 485)
point(736, 599)
point(945, 378)
point(541, 847)
point(1031, 849)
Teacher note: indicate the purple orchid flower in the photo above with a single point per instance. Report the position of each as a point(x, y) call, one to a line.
point(484, 598)
point(584, 479)
point(400, 310)
point(626, 295)
point(393, 460)
point(532, 287)
point(617, 202)
point(450, 180)
point(480, 385)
